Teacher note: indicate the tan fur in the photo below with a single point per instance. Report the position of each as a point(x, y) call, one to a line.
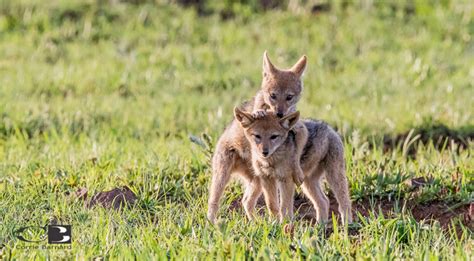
point(323, 156)
point(270, 147)
point(279, 93)
point(239, 153)
point(232, 157)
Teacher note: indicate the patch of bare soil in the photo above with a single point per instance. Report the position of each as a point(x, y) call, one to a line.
point(431, 211)
point(116, 198)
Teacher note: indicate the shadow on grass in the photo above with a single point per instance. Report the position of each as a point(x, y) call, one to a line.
point(434, 133)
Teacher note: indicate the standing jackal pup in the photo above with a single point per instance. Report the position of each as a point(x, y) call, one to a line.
point(280, 91)
point(271, 144)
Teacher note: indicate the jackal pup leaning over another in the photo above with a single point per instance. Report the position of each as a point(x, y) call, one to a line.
point(257, 155)
point(279, 93)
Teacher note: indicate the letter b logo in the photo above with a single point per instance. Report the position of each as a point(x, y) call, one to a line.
point(59, 234)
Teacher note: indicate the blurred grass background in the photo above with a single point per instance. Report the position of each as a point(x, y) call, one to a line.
point(383, 74)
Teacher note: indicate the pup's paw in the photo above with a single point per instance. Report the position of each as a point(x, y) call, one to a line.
point(211, 218)
point(259, 114)
point(298, 179)
point(289, 229)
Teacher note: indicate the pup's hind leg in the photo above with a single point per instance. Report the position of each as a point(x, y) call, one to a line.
point(222, 164)
point(337, 180)
point(252, 192)
point(312, 189)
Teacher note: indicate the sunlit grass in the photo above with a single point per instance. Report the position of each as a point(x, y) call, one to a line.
point(101, 96)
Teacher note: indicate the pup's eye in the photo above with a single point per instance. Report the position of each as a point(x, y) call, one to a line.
point(273, 96)
point(289, 97)
point(256, 136)
point(273, 137)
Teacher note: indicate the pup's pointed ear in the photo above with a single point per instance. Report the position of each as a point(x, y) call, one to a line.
point(243, 117)
point(290, 120)
point(299, 66)
point(268, 67)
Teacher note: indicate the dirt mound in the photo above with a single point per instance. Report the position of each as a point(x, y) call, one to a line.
point(116, 198)
point(431, 211)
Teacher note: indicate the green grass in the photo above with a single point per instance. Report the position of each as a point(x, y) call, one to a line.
point(128, 84)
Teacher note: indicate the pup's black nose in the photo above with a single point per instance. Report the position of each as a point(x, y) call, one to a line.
point(265, 153)
point(280, 114)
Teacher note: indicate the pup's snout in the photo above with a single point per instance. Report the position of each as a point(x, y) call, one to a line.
point(265, 153)
point(280, 114)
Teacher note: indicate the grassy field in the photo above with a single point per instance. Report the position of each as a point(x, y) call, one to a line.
point(98, 96)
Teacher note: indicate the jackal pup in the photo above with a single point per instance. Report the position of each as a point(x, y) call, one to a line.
point(273, 147)
point(259, 155)
point(279, 93)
